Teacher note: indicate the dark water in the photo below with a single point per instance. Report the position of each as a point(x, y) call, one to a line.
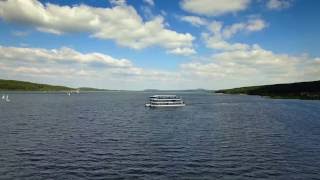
point(112, 135)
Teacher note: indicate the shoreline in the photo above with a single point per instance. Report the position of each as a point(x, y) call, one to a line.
point(275, 96)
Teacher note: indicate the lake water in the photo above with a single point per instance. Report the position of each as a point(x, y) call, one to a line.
point(113, 136)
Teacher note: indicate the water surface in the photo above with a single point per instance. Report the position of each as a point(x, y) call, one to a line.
point(113, 136)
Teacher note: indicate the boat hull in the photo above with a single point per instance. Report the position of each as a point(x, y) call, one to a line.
point(172, 105)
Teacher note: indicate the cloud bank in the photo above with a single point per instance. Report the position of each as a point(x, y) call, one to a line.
point(68, 66)
point(254, 66)
point(250, 66)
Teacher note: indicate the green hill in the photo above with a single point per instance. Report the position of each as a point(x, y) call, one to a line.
point(301, 90)
point(13, 85)
point(91, 89)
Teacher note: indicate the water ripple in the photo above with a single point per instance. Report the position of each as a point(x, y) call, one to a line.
point(113, 136)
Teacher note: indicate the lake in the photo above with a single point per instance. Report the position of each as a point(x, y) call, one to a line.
point(111, 135)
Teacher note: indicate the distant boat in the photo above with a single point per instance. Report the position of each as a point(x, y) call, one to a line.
point(3, 97)
point(69, 93)
point(165, 101)
point(7, 98)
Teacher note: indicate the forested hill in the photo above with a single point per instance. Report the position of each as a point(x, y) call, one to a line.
point(301, 90)
point(92, 89)
point(13, 85)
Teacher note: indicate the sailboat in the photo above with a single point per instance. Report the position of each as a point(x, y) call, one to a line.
point(7, 98)
point(3, 97)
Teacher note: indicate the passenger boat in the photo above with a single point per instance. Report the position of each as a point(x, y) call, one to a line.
point(165, 101)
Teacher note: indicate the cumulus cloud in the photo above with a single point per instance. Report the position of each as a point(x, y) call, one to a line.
point(278, 4)
point(217, 42)
point(194, 20)
point(214, 7)
point(251, 26)
point(120, 23)
point(241, 64)
point(218, 35)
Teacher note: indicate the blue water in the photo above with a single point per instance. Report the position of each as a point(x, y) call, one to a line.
point(113, 136)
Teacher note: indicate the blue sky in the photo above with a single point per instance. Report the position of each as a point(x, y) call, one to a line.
point(142, 44)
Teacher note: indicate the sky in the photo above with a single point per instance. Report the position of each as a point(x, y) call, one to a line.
point(160, 44)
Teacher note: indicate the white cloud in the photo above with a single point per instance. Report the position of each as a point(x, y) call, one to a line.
point(194, 20)
point(65, 66)
point(183, 51)
point(251, 26)
point(254, 66)
point(233, 29)
point(118, 2)
point(216, 42)
point(241, 64)
point(63, 56)
point(256, 25)
point(215, 27)
point(214, 7)
point(120, 23)
point(149, 2)
point(70, 67)
point(216, 39)
point(50, 71)
point(278, 4)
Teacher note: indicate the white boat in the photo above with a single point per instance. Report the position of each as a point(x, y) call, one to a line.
point(3, 97)
point(7, 98)
point(165, 101)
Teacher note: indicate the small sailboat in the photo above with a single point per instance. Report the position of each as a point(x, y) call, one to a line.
point(69, 93)
point(7, 98)
point(3, 97)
